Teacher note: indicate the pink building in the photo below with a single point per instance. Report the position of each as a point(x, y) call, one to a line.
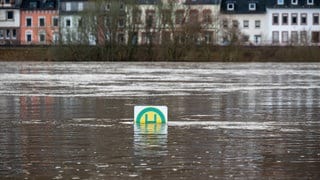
point(39, 22)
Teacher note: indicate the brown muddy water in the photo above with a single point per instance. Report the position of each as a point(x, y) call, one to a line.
point(226, 121)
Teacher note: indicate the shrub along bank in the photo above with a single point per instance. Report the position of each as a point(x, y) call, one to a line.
point(145, 53)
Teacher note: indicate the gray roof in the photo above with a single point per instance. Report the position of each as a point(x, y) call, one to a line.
point(191, 2)
point(39, 5)
point(242, 6)
point(288, 4)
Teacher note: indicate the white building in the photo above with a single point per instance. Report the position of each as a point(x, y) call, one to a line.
point(75, 24)
point(246, 19)
point(9, 22)
point(294, 22)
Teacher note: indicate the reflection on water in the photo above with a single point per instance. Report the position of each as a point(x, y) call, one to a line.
point(226, 121)
point(150, 140)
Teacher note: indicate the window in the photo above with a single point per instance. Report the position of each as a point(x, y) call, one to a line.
point(80, 6)
point(8, 34)
point(107, 8)
point(280, 2)
point(315, 19)
point(246, 24)
point(1, 34)
point(28, 21)
point(225, 23)
point(55, 37)
point(179, 16)
point(122, 6)
point(257, 39)
point(55, 21)
point(252, 6)
point(285, 37)
point(150, 18)
point(235, 24)
point(294, 37)
point(41, 22)
point(121, 39)
point(257, 24)
point(14, 34)
point(33, 4)
point(194, 16)
point(121, 22)
point(294, 2)
point(230, 6)
point(303, 37)
point(208, 37)
point(310, 2)
point(165, 17)
point(42, 37)
point(285, 19)
point(315, 36)
point(207, 16)
point(275, 37)
point(68, 6)
point(10, 15)
point(68, 22)
point(7, 2)
point(275, 19)
point(303, 19)
point(29, 37)
point(136, 16)
point(294, 19)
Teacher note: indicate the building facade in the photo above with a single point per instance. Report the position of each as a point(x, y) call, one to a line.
point(77, 23)
point(245, 19)
point(10, 22)
point(293, 22)
point(39, 22)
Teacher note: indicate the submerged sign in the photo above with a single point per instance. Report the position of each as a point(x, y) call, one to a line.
point(150, 114)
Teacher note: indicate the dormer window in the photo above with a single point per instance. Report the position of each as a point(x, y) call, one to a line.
point(230, 6)
point(252, 6)
point(280, 2)
point(310, 2)
point(294, 2)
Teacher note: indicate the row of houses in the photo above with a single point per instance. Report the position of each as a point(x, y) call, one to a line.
point(254, 22)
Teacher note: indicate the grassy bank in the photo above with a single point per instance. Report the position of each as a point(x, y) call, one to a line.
point(143, 53)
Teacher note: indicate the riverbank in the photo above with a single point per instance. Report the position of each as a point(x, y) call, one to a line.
point(144, 53)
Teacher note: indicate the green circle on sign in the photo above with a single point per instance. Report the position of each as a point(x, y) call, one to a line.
point(150, 109)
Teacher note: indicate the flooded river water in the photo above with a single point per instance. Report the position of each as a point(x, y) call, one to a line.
point(226, 121)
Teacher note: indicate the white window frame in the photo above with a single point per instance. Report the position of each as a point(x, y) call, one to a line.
point(28, 17)
point(65, 22)
point(8, 36)
point(80, 6)
point(12, 35)
point(2, 33)
point(245, 23)
point(55, 18)
point(280, 2)
point(230, 6)
point(275, 37)
point(44, 21)
point(310, 2)
point(302, 17)
point(257, 24)
point(39, 37)
point(26, 36)
point(294, 2)
point(252, 6)
point(313, 18)
point(12, 15)
point(68, 6)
